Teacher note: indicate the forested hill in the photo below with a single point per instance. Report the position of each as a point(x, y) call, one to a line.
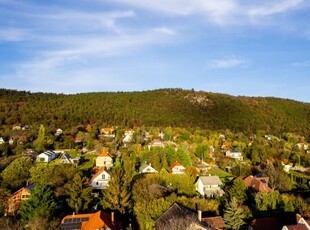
point(163, 107)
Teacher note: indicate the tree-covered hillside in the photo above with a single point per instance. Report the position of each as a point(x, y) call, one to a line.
point(163, 107)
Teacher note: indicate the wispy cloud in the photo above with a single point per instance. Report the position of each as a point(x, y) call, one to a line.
point(229, 62)
point(301, 64)
point(13, 34)
point(165, 30)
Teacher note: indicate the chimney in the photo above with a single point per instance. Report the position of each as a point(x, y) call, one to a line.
point(112, 217)
point(73, 214)
point(199, 215)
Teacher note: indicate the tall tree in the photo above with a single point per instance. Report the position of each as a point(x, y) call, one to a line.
point(117, 195)
point(234, 215)
point(278, 179)
point(79, 193)
point(41, 204)
point(238, 190)
point(40, 141)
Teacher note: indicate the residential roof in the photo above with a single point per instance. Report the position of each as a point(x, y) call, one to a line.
point(100, 171)
point(297, 227)
point(269, 223)
point(144, 166)
point(258, 184)
point(49, 153)
point(88, 221)
point(210, 180)
point(180, 215)
point(104, 154)
point(215, 222)
point(175, 164)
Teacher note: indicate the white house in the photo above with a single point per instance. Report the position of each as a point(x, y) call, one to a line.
point(104, 160)
point(147, 168)
point(58, 132)
point(100, 180)
point(235, 154)
point(177, 168)
point(302, 224)
point(1, 141)
point(67, 159)
point(156, 144)
point(209, 186)
point(47, 156)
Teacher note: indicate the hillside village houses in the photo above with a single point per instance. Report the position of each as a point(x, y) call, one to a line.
point(15, 200)
point(65, 158)
point(104, 160)
point(147, 168)
point(46, 156)
point(100, 180)
point(177, 168)
point(209, 186)
point(234, 154)
point(257, 184)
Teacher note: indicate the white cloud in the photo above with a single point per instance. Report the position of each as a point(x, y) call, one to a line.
point(13, 34)
point(301, 64)
point(165, 30)
point(274, 7)
point(229, 62)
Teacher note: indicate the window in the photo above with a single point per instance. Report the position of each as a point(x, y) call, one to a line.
point(103, 177)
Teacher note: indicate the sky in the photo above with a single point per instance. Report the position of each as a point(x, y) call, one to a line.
point(236, 47)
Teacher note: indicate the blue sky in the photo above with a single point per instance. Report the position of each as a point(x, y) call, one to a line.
point(238, 47)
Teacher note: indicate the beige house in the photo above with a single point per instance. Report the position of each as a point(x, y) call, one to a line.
point(104, 160)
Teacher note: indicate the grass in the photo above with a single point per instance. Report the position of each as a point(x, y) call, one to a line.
point(87, 162)
point(224, 176)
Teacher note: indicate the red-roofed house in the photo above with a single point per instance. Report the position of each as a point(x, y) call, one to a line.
point(177, 168)
point(104, 160)
point(100, 180)
point(257, 184)
point(90, 221)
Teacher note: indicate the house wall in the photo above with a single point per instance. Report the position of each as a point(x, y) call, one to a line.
point(99, 182)
point(200, 187)
point(104, 162)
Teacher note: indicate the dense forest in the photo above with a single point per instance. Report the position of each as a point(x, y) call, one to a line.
point(163, 107)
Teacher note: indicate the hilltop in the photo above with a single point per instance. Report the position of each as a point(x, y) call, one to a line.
point(162, 107)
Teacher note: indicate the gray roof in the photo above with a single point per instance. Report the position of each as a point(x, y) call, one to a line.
point(210, 180)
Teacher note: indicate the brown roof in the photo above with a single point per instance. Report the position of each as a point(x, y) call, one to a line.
point(104, 154)
point(175, 164)
point(258, 184)
point(270, 223)
point(216, 222)
point(98, 173)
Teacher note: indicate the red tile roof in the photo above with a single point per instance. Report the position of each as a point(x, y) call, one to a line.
point(175, 164)
point(104, 154)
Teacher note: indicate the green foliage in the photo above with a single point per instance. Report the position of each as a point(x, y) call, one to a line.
point(41, 204)
point(238, 190)
point(16, 174)
point(79, 193)
point(117, 195)
point(234, 215)
point(176, 107)
point(268, 201)
point(39, 143)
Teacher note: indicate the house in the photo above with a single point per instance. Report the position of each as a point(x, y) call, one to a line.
point(104, 160)
point(65, 158)
point(47, 156)
point(180, 217)
point(209, 186)
point(107, 132)
point(302, 224)
point(177, 168)
point(1, 141)
point(100, 180)
point(215, 223)
point(15, 200)
point(156, 144)
point(257, 184)
point(147, 168)
point(58, 132)
point(234, 154)
point(128, 137)
point(93, 221)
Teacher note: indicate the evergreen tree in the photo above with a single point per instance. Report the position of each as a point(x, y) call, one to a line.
point(40, 141)
point(79, 193)
point(117, 195)
point(238, 190)
point(41, 204)
point(234, 215)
